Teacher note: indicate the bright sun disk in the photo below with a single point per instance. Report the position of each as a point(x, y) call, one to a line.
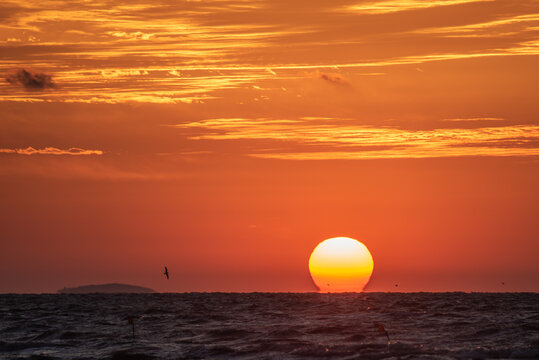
point(341, 264)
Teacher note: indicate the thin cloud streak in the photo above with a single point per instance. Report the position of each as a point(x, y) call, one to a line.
point(358, 141)
point(51, 151)
point(403, 154)
point(475, 119)
point(499, 27)
point(390, 6)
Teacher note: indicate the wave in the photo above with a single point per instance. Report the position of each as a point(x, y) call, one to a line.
point(269, 326)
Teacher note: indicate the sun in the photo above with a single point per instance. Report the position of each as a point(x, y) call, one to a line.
point(341, 264)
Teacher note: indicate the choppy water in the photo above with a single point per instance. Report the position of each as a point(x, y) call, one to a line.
point(270, 326)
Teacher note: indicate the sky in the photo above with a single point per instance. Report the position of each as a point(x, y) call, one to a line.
point(225, 139)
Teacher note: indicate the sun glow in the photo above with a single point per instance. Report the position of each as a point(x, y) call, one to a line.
point(341, 264)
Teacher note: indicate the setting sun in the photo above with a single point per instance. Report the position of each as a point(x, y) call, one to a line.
point(341, 264)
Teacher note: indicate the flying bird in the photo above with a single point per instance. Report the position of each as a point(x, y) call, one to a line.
point(166, 272)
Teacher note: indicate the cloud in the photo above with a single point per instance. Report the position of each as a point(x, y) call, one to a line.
point(341, 141)
point(389, 6)
point(508, 26)
point(131, 35)
point(31, 80)
point(115, 73)
point(392, 154)
point(81, 42)
point(475, 119)
point(51, 151)
point(334, 78)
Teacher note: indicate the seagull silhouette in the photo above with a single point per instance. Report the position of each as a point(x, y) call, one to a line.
point(166, 272)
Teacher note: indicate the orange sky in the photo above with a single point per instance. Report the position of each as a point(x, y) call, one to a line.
point(226, 139)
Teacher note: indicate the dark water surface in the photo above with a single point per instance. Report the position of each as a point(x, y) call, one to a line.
point(270, 326)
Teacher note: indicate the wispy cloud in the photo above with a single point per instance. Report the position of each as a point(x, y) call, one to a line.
point(108, 38)
point(51, 151)
point(389, 6)
point(103, 52)
point(475, 119)
point(504, 26)
point(364, 142)
point(137, 35)
point(199, 82)
point(413, 153)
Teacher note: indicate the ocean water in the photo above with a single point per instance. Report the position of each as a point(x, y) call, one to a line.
point(270, 326)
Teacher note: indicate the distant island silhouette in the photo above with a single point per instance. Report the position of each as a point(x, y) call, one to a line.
point(106, 289)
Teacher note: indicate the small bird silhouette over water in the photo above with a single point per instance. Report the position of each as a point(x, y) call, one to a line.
point(166, 272)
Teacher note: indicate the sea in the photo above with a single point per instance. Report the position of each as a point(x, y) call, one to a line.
point(270, 326)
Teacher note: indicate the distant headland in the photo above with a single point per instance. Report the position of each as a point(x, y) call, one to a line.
point(106, 289)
